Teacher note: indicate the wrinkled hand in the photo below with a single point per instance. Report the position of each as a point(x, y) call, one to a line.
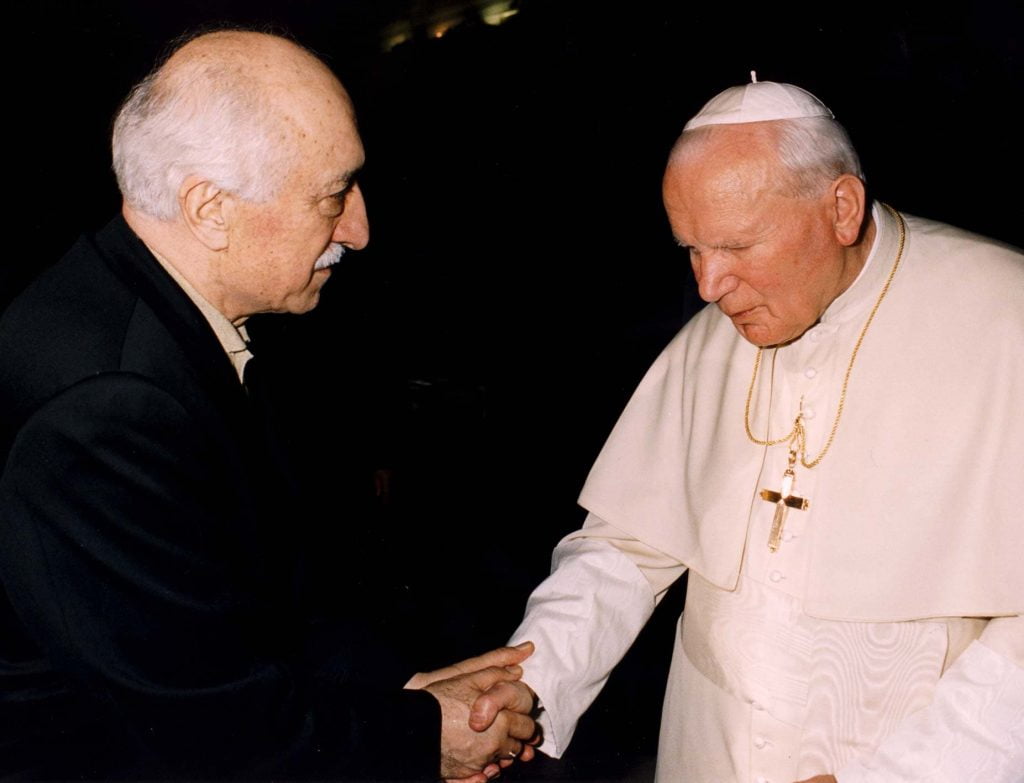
point(489, 705)
point(477, 755)
point(465, 751)
point(819, 779)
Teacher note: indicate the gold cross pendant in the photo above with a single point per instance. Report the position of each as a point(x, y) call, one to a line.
point(783, 501)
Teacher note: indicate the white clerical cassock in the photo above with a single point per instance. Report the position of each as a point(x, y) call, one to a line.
point(883, 639)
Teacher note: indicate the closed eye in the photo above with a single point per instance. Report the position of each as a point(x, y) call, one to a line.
point(342, 194)
point(334, 204)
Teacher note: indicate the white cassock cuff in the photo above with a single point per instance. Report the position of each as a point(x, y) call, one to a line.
point(972, 732)
point(582, 620)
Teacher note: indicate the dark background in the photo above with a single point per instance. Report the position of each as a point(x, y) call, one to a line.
point(521, 274)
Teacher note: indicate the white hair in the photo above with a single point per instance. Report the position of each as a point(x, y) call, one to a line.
point(212, 119)
point(813, 150)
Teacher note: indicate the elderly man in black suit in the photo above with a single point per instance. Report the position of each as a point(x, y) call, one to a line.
point(149, 621)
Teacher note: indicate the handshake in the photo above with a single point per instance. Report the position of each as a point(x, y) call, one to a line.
point(486, 713)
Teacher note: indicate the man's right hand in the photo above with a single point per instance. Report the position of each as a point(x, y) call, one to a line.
point(468, 752)
point(478, 753)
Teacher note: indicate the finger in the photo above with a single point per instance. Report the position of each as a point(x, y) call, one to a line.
point(508, 695)
point(527, 753)
point(538, 735)
point(502, 656)
point(486, 678)
point(522, 727)
point(509, 754)
point(514, 695)
point(483, 712)
point(479, 777)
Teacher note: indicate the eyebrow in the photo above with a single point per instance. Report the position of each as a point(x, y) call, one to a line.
point(753, 234)
point(343, 181)
point(726, 245)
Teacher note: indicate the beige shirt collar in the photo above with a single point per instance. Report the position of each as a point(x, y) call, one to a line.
point(234, 340)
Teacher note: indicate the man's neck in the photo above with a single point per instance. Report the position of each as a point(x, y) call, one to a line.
point(176, 248)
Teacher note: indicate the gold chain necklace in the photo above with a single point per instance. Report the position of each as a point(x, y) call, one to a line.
point(797, 436)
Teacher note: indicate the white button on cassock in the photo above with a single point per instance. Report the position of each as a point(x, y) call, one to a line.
point(776, 576)
point(810, 372)
point(760, 742)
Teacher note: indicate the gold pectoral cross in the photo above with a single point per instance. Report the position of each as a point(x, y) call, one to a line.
point(783, 500)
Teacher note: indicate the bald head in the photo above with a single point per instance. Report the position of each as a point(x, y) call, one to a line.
point(230, 107)
point(238, 161)
point(812, 151)
point(771, 243)
point(240, 60)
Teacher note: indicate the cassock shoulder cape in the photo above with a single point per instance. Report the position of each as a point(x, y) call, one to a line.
point(918, 503)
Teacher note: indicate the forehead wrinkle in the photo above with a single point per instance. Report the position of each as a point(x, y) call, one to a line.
point(733, 159)
point(722, 196)
point(340, 182)
point(320, 123)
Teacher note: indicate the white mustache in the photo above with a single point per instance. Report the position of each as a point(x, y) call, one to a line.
point(330, 256)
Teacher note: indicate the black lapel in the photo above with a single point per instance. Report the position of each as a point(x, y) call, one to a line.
point(129, 258)
point(133, 263)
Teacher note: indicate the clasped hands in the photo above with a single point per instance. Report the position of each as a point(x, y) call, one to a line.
point(482, 734)
point(486, 721)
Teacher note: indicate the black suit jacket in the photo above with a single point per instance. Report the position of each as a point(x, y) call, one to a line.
point(150, 622)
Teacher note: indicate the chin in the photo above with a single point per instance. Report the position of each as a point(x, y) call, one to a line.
point(304, 304)
point(312, 303)
point(755, 334)
point(761, 336)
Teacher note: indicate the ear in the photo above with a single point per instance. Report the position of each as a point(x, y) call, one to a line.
point(849, 204)
point(206, 208)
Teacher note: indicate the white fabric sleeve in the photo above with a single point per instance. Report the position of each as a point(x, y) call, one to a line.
point(972, 732)
point(583, 618)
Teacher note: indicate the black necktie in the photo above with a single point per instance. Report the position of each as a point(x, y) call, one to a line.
point(252, 378)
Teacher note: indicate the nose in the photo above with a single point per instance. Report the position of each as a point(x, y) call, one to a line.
point(353, 229)
point(714, 274)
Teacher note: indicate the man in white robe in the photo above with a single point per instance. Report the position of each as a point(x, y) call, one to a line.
point(834, 449)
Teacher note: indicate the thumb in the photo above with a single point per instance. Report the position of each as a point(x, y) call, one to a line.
point(508, 695)
point(502, 656)
point(484, 710)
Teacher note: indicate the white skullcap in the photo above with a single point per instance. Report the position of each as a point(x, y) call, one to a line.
point(759, 102)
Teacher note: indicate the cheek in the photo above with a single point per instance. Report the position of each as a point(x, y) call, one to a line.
point(294, 248)
point(268, 246)
point(266, 225)
point(765, 274)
